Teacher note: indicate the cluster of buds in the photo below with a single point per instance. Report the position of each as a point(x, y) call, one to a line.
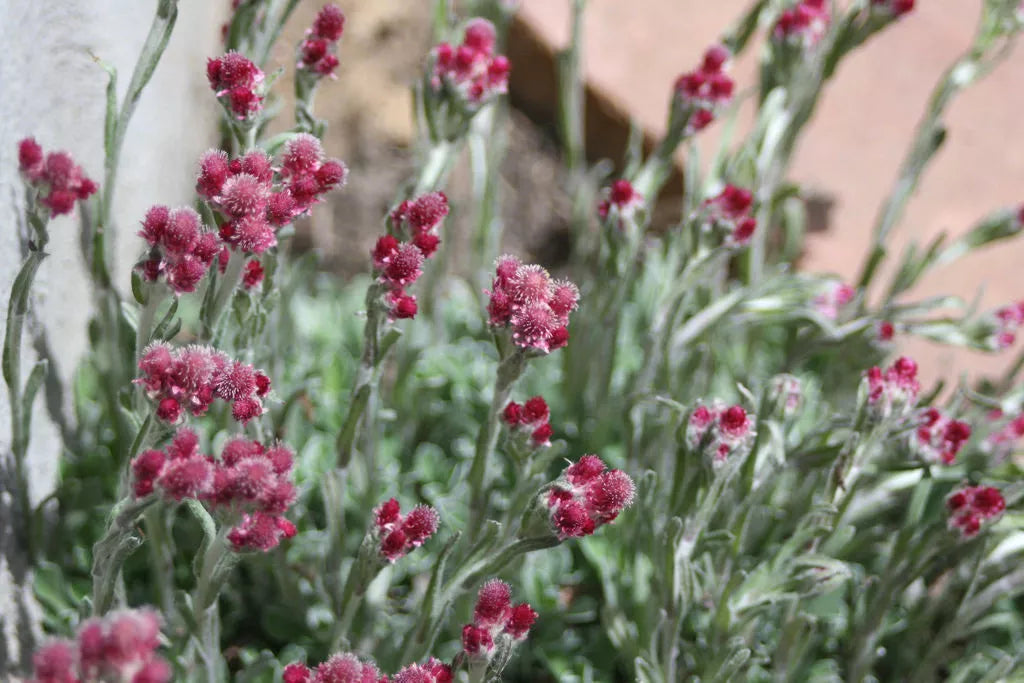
point(59, 181)
point(495, 618)
point(190, 378)
point(587, 495)
point(398, 535)
point(181, 248)
point(719, 430)
point(704, 90)
point(253, 205)
point(471, 69)
point(118, 647)
point(535, 307)
point(895, 8)
point(803, 24)
point(729, 212)
point(787, 393)
point(432, 671)
point(1002, 441)
point(339, 668)
point(238, 83)
point(939, 438)
point(530, 419)
point(834, 296)
point(317, 51)
point(620, 200)
point(400, 262)
point(893, 390)
point(971, 506)
point(1008, 320)
point(250, 482)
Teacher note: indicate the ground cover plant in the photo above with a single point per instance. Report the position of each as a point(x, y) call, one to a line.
point(682, 458)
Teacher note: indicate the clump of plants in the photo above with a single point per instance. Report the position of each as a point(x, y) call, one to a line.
point(678, 458)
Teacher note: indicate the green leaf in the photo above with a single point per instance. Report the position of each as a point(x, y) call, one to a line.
point(35, 380)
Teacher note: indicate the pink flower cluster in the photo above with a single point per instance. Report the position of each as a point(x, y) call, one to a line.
point(1008, 321)
point(530, 418)
point(399, 263)
point(972, 506)
point(471, 68)
point(885, 331)
point(181, 248)
point(939, 438)
point(190, 378)
point(723, 430)
point(340, 668)
point(56, 177)
point(895, 389)
point(347, 668)
point(535, 307)
point(400, 535)
point(432, 671)
point(705, 89)
point(238, 83)
point(250, 481)
point(621, 198)
point(494, 616)
point(787, 391)
point(316, 53)
point(805, 23)
point(1003, 440)
point(835, 296)
point(730, 212)
point(255, 198)
point(120, 647)
point(586, 496)
point(897, 8)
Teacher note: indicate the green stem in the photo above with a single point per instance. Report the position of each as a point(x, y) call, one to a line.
point(218, 561)
point(226, 288)
point(509, 370)
point(436, 167)
point(110, 552)
point(571, 94)
point(161, 559)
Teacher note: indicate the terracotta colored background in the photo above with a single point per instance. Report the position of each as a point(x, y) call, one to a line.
point(852, 152)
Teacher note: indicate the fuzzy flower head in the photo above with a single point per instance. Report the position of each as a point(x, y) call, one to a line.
point(57, 179)
point(237, 83)
point(317, 51)
point(938, 438)
point(894, 390)
point(720, 431)
point(339, 668)
point(729, 214)
point(1004, 323)
point(398, 256)
point(398, 535)
point(534, 307)
point(586, 496)
point(249, 480)
point(181, 249)
point(835, 296)
point(972, 507)
point(189, 379)
point(471, 72)
point(120, 646)
point(788, 394)
point(495, 618)
point(529, 422)
point(702, 92)
point(1003, 441)
point(619, 201)
point(431, 671)
point(804, 24)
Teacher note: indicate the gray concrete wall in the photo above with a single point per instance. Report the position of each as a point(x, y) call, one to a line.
point(54, 91)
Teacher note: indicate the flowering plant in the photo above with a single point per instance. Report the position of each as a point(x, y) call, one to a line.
point(715, 467)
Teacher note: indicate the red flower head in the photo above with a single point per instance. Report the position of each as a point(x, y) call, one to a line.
point(399, 535)
point(972, 506)
point(59, 181)
point(587, 496)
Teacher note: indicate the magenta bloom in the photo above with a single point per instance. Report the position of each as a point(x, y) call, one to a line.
point(586, 496)
point(120, 646)
point(238, 83)
point(533, 306)
point(973, 506)
point(58, 179)
point(704, 90)
point(494, 617)
point(317, 51)
point(471, 69)
point(722, 430)
point(398, 535)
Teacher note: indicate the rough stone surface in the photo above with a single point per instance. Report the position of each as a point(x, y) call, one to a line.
point(54, 91)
